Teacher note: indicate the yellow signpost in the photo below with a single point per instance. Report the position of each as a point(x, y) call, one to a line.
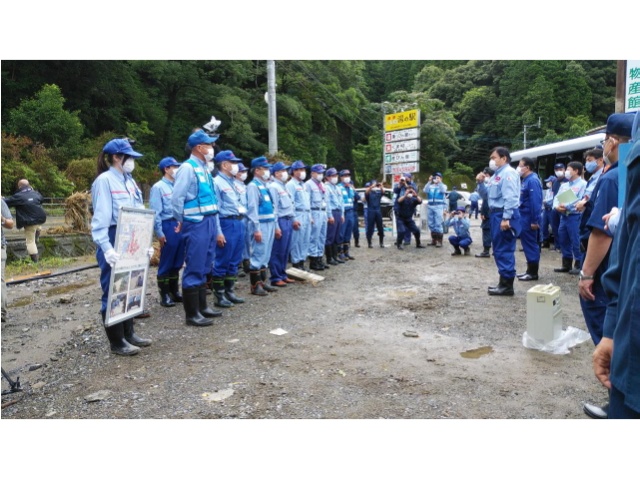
point(401, 120)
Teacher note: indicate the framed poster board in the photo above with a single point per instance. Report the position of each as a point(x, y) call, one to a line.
point(128, 285)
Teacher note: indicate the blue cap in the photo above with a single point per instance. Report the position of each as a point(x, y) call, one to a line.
point(437, 174)
point(460, 209)
point(552, 178)
point(167, 162)
point(241, 167)
point(620, 124)
point(297, 165)
point(199, 137)
point(558, 165)
point(120, 145)
point(226, 156)
point(331, 172)
point(407, 175)
point(344, 173)
point(277, 167)
point(318, 168)
point(260, 162)
point(368, 184)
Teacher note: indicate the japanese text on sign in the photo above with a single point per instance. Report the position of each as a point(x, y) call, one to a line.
point(397, 136)
point(632, 101)
point(401, 120)
point(401, 146)
point(398, 168)
point(413, 156)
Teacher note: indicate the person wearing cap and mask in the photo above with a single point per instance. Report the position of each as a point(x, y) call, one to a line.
point(302, 220)
point(593, 296)
point(231, 213)
point(504, 200)
point(547, 208)
point(399, 191)
point(319, 216)
point(113, 188)
point(336, 217)
point(350, 215)
point(195, 208)
point(241, 188)
point(262, 226)
point(530, 213)
point(482, 180)
point(458, 220)
point(594, 165)
point(435, 191)
point(559, 169)
point(407, 203)
point(284, 211)
point(171, 243)
point(373, 194)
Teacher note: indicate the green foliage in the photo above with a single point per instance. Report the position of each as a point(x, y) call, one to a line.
point(81, 172)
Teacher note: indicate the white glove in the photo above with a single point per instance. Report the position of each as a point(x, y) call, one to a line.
point(111, 257)
point(150, 252)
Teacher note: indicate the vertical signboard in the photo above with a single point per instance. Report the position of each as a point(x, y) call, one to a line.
point(401, 147)
point(632, 95)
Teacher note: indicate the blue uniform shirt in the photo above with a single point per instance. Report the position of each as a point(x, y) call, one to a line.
point(186, 186)
point(160, 201)
point(531, 198)
point(578, 186)
point(282, 201)
point(460, 226)
point(504, 190)
point(334, 197)
point(254, 199)
point(110, 191)
point(317, 195)
point(300, 195)
point(374, 199)
point(435, 193)
point(229, 199)
point(605, 197)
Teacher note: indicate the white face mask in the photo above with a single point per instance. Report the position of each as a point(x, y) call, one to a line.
point(234, 169)
point(210, 166)
point(266, 174)
point(284, 176)
point(209, 155)
point(519, 170)
point(346, 180)
point(568, 174)
point(129, 165)
point(409, 195)
point(302, 175)
point(559, 173)
point(172, 172)
point(487, 181)
point(319, 177)
point(333, 180)
point(492, 164)
point(243, 176)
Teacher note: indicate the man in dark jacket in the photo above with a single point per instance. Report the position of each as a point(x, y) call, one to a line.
point(29, 214)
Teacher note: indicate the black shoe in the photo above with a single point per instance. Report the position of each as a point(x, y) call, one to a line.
point(596, 412)
point(504, 288)
point(467, 251)
point(484, 254)
point(566, 266)
point(456, 251)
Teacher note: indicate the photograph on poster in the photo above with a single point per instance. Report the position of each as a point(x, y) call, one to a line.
point(121, 282)
point(118, 304)
point(135, 300)
point(137, 279)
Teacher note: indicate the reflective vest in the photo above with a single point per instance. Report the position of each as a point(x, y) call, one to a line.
point(347, 196)
point(265, 206)
point(205, 202)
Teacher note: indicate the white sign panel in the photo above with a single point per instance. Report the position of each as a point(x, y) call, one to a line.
point(403, 157)
point(632, 98)
point(400, 135)
point(402, 146)
point(398, 168)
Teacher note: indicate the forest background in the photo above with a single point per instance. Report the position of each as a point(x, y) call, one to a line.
point(57, 114)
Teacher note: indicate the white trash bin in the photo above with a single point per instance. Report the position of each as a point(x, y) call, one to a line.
point(544, 323)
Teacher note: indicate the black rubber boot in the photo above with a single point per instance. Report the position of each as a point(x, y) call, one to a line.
point(369, 243)
point(246, 265)
point(485, 253)
point(356, 242)
point(531, 273)
point(566, 265)
point(328, 251)
point(191, 304)
point(131, 337)
point(336, 253)
point(346, 252)
point(265, 285)
point(339, 250)
point(456, 251)
point(504, 288)
point(433, 240)
point(418, 244)
point(439, 237)
point(321, 263)
point(546, 244)
point(204, 308)
point(576, 268)
point(219, 292)
point(467, 251)
point(119, 345)
point(229, 285)
point(256, 283)
point(381, 241)
point(165, 295)
point(174, 288)
point(398, 242)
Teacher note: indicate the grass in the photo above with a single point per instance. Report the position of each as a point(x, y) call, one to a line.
point(25, 266)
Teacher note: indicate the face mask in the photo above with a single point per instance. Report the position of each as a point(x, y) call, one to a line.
point(334, 180)
point(519, 171)
point(492, 164)
point(210, 166)
point(243, 177)
point(172, 172)
point(409, 195)
point(559, 173)
point(302, 175)
point(209, 155)
point(234, 169)
point(346, 180)
point(486, 182)
point(129, 165)
point(265, 175)
point(284, 176)
point(567, 174)
point(319, 177)
point(591, 166)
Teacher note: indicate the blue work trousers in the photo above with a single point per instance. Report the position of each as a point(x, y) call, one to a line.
point(504, 243)
point(546, 224)
point(172, 253)
point(318, 233)
point(105, 269)
point(569, 237)
point(333, 229)
point(347, 228)
point(529, 240)
point(435, 217)
point(374, 219)
point(617, 407)
point(200, 250)
point(228, 258)
point(594, 311)
point(300, 238)
point(463, 242)
point(555, 225)
point(261, 251)
point(280, 250)
point(246, 249)
point(485, 226)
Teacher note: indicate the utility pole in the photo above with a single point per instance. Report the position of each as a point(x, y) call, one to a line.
point(524, 142)
point(271, 101)
point(621, 70)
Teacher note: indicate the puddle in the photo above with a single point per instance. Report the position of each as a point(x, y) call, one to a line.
point(21, 302)
point(476, 352)
point(69, 288)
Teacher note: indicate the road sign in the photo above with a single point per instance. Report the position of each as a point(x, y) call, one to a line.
point(401, 120)
point(403, 157)
point(400, 135)
point(398, 168)
point(407, 146)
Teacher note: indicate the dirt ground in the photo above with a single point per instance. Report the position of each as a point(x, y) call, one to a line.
point(348, 352)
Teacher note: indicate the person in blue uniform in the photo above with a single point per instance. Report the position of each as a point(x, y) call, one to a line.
point(504, 199)
point(231, 213)
point(616, 360)
point(262, 226)
point(114, 188)
point(284, 211)
point(319, 216)
point(594, 165)
point(568, 232)
point(530, 217)
point(559, 169)
point(302, 218)
point(435, 191)
point(474, 198)
point(547, 208)
point(350, 214)
point(482, 181)
point(407, 203)
point(406, 180)
point(241, 188)
point(336, 216)
point(195, 208)
point(460, 223)
point(454, 196)
point(593, 296)
point(171, 243)
point(373, 195)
